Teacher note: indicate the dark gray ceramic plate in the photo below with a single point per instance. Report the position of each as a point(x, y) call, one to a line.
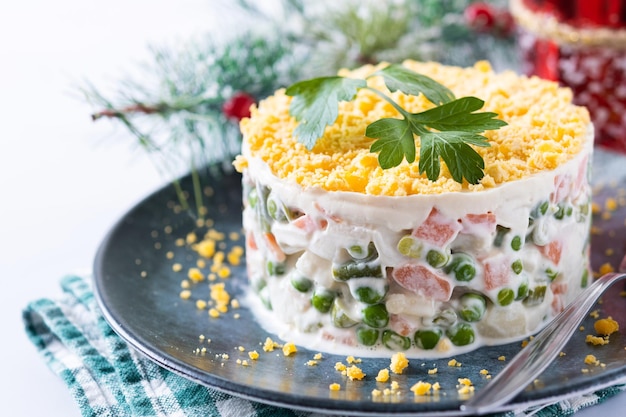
point(138, 291)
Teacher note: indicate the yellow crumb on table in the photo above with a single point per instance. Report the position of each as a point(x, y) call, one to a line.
point(317, 356)
point(591, 360)
point(606, 268)
point(195, 275)
point(334, 387)
point(432, 371)
point(205, 248)
point(253, 354)
point(185, 294)
point(399, 363)
point(502, 358)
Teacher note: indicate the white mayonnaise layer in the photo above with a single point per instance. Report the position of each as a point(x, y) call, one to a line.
point(526, 242)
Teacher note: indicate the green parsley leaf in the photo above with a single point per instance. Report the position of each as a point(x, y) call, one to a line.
point(314, 104)
point(395, 142)
point(458, 115)
point(410, 82)
point(445, 132)
point(460, 158)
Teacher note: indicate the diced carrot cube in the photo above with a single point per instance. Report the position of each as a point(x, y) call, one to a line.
point(562, 188)
point(485, 223)
point(274, 247)
point(305, 223)
point(437, 229)
point(552, 251)
point(558, 287)
point(421, 280)
point(497, 272)
point(250, 241)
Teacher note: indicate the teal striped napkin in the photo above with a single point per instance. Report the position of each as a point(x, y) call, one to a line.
point(108, 378)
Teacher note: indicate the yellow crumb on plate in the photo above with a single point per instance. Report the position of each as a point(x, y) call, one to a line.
point(354, 372)
point(399, 363)
point(289, 348)
point(606, 327)
point(421, 388)
point(383, 375)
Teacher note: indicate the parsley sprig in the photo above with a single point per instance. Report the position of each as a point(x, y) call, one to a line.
point(445, 131)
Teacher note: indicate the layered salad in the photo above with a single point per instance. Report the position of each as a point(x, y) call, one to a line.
point(345, 256)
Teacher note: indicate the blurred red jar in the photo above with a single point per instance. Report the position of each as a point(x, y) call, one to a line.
point(582, 45)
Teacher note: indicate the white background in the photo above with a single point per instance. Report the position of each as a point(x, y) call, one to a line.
point(65, 180)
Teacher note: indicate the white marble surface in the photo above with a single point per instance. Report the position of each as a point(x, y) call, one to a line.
point(65, 180)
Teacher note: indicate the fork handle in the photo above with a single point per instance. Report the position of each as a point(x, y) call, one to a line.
point(533, 359)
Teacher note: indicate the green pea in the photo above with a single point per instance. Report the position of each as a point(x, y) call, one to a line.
point(516, 243)
point(473, 307)
point(375, 316)
point(436, 259)
point(339, 317)
point(445, 318)
point(357, 269)
point(360, 252)
point(367, 336)
point(258, 284)
point(461, 334)
point(395, 341)
point(551, 274)
point(427, 338)
point(559, 214)
point(253, 197)
point(322, 300)
point(409, 246)
point(569, 211)
point(584, 279)
point(522, 291)
point(540, 210)
point(501, 232)
point(506, 296)
point(276, 210)
point(301, 283)
point(275, 268)
point(264, 295)
point(535, 296)
point(369, 295)
point(517, 266)
point(462, 266)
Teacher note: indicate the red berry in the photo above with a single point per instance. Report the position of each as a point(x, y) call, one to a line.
point(480, 16)
point(505, 24)
point(238, 106)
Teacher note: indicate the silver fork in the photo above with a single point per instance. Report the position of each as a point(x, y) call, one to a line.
point(540, 351)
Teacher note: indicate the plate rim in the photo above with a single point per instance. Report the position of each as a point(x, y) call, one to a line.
point(331, 406)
